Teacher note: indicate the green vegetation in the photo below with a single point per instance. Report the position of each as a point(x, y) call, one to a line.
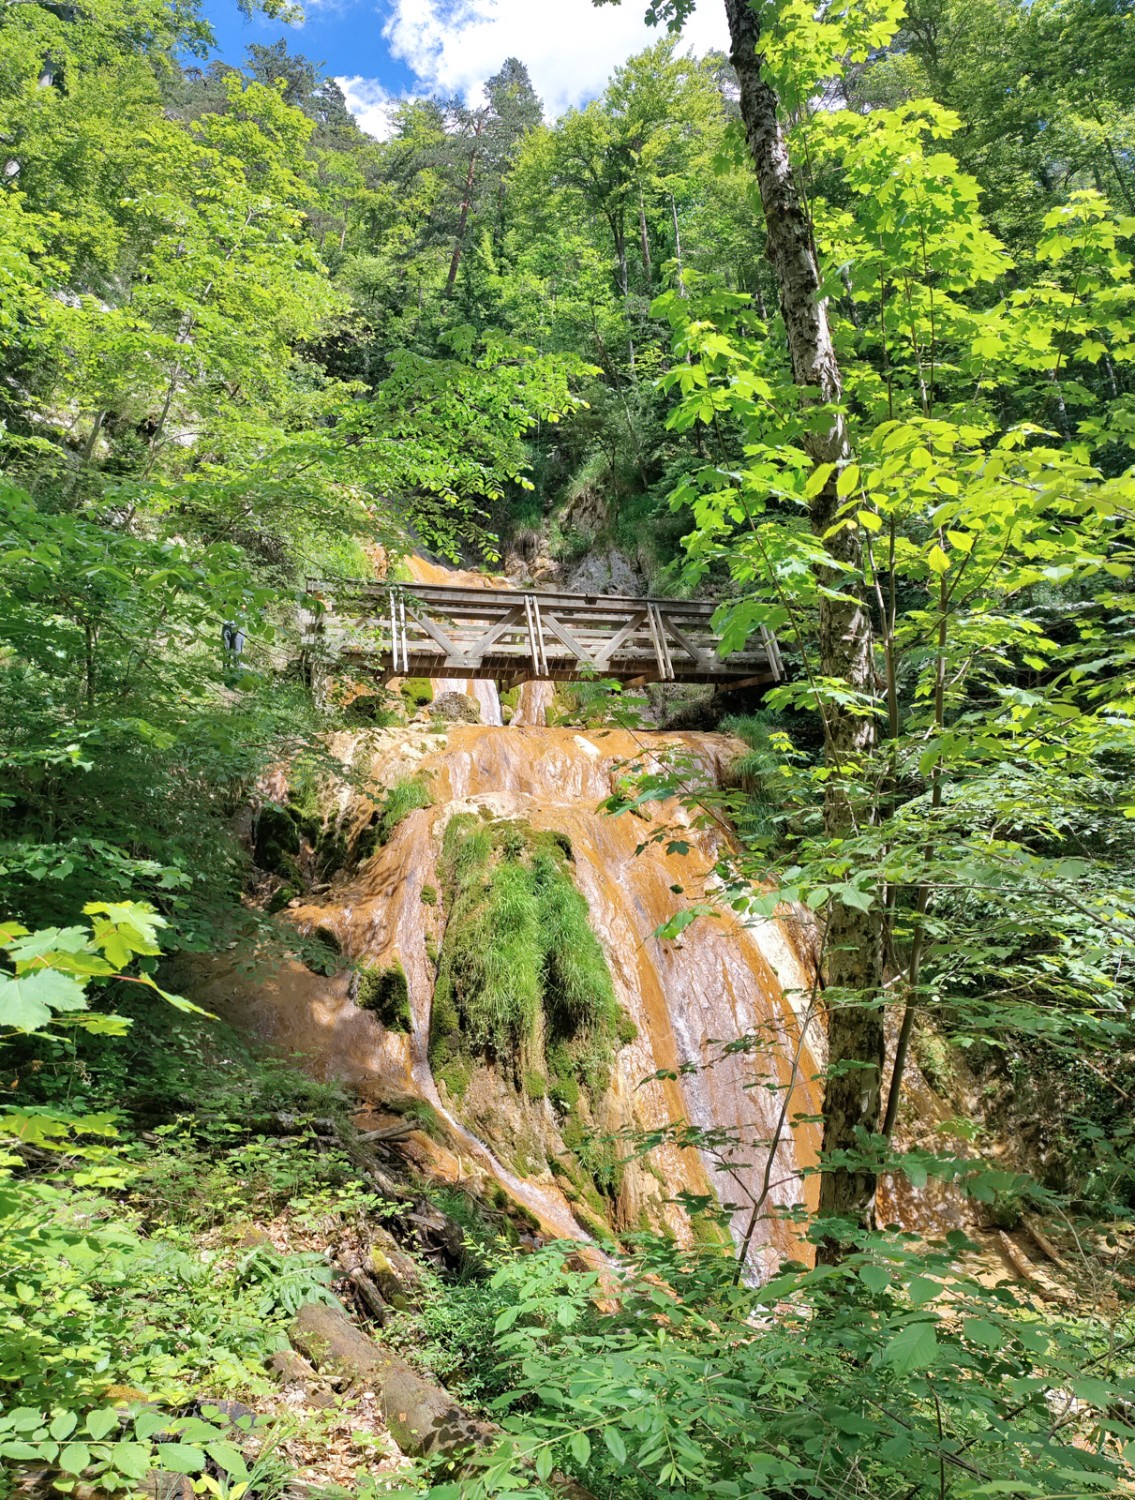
point(385, 993)
point(523, 982)
point(891, 420)
point(403, 798)
point(518, 951)
point(108, 1229)
point(418, 691)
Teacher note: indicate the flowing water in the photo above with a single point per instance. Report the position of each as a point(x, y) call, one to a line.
point(692, 999)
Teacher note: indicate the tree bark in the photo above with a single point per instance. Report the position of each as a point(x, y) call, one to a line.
point(463, 216)
point(644, 242)
point(853, 967)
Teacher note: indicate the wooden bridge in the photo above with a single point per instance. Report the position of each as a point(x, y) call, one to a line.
point(431, 630)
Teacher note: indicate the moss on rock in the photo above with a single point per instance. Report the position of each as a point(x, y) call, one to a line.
point(385, 993)
point(523, 981)
point(276, 840)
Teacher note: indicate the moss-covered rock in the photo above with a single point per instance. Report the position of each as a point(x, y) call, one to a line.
point(385, 993)
point(456, 708)
point(535, 1084)
point(276, 839)
point(329, 940)
point(418, 691)
point(281, 897)
point(523, 986)
point(373, 709)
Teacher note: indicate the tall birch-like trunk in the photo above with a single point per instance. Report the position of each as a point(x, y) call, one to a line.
point(853, 946)
point(463, 216)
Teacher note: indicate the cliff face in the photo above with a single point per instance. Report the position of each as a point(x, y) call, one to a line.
point(544, 1041)
point(555, 1149)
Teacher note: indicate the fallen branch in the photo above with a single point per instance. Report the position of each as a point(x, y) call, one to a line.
point(1028, 1273)
point(370, 1296)
point(1041, 1240)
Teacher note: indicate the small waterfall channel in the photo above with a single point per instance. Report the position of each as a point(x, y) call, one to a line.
point(721, 980)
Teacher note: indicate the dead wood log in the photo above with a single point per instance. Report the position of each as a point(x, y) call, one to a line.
point(1029, 1273)
point(1042, 1241)
point(423, 1417)
point(369, 1295)
point(397, 1132)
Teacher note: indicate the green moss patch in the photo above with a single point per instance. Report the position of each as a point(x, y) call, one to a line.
point(385, 993)
point(276, 839)
point(523, 981)
point(403, 798)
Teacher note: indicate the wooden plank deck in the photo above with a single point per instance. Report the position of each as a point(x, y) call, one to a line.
point(507, 636)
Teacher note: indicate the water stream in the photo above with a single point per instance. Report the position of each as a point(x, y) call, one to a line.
point(720, 981)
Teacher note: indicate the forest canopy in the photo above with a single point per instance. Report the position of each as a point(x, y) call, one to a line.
point(837, 332)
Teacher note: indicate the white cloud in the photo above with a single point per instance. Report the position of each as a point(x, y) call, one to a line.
point(569, 46)
point(371, 105)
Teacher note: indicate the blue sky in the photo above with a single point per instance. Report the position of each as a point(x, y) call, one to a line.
point(381, 49)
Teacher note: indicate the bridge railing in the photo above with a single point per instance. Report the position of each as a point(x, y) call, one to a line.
point(433, 630)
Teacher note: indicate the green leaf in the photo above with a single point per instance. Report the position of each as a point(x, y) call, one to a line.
point(869, 519)
point(544, 1463)
point(74, 1458)
point(924, 1289)
point(914, 1347)
point(848, 481)
point(99, 1423)
point(615, 1445)
point(1096, 1392)
point(980, 1331)
point(939, 562)
point(26, 1451)
point(228, 1457)
point(580, 1446)
point(851, 895)
point(148, 1424)
point(63, 1424)
point(20, 1010)
point(875, 1278)
point(676, 925)
point(130, 1459)
point(179, 1458)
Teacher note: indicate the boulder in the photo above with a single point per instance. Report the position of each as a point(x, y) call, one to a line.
point(456, 708)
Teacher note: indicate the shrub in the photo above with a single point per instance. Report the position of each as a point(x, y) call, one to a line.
point(328, 939)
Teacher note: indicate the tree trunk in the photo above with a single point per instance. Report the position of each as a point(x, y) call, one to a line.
point(682, 291)
point(463, 216)
point(853, 943)
point(644, 241)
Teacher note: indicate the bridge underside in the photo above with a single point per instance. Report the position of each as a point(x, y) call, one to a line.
point(429, 630)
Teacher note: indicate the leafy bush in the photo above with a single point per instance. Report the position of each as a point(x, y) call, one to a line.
point(682, 1382)
point(98, 1320)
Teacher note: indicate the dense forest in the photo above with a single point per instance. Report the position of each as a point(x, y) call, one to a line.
point(836, 332)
